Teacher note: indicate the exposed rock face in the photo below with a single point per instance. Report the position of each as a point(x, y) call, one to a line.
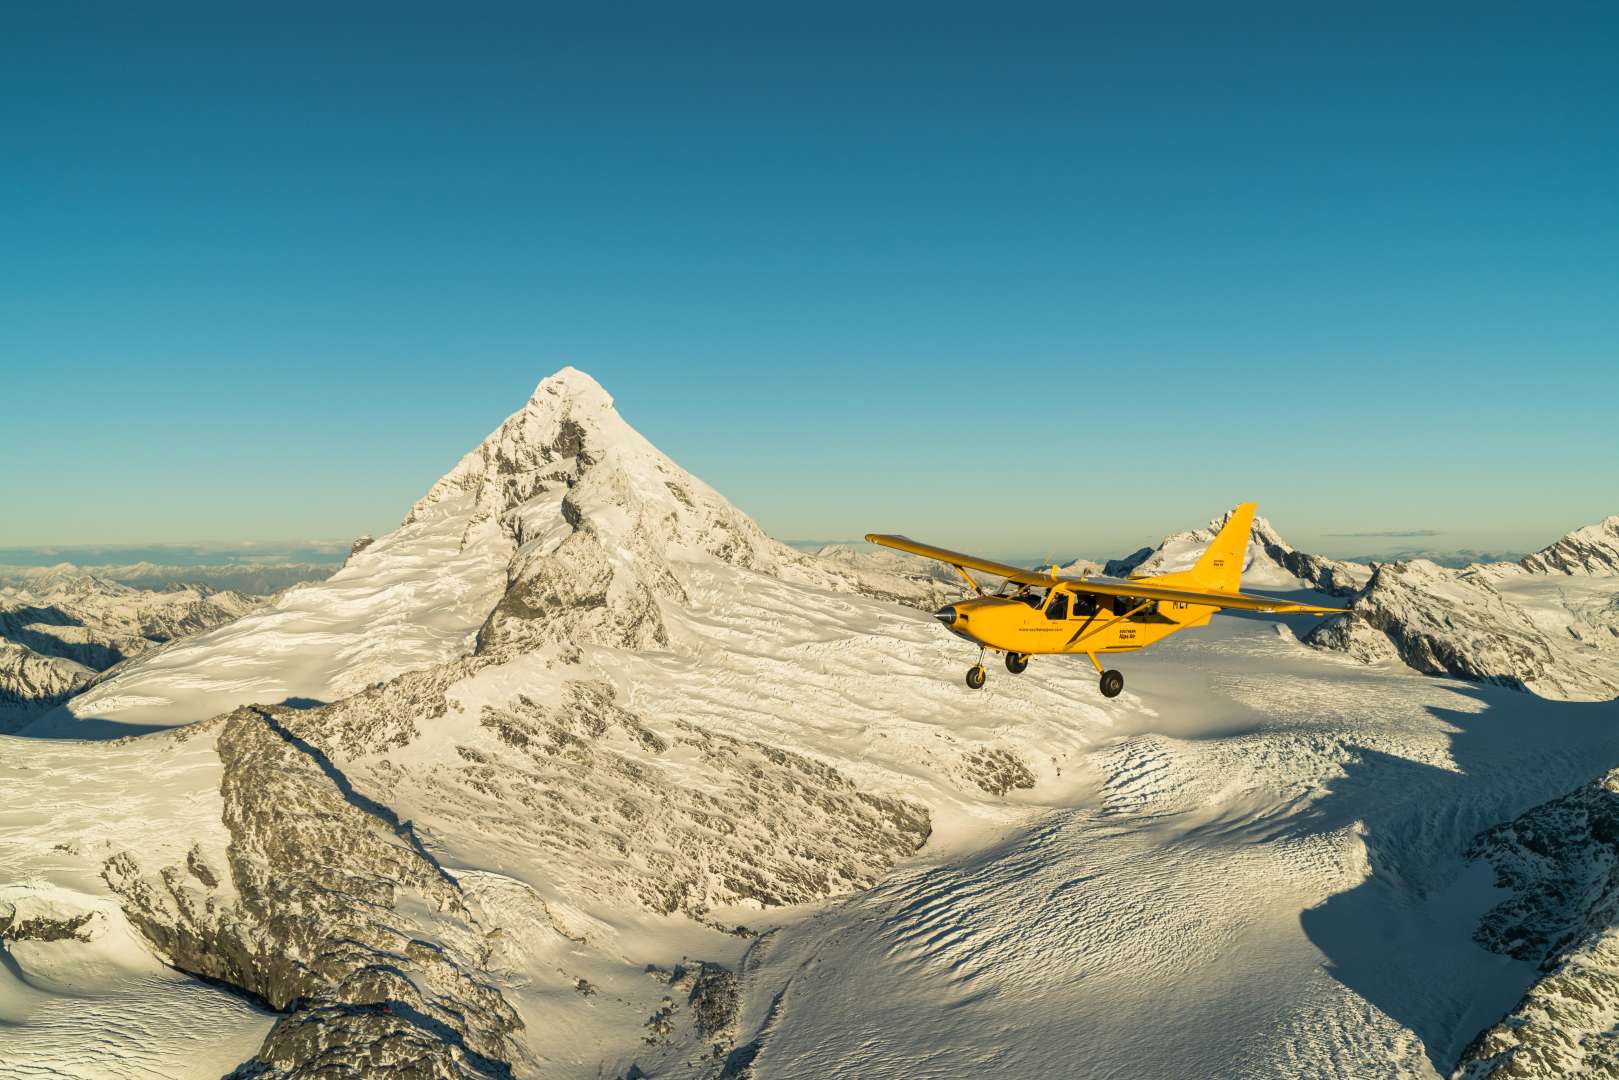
point(997, 770)
point(1441, 622)
point(1126, 566)
point(596, 790)
point(326, 905)
point(24, 926)
point(1591, 550)
point(768, 825)
point(599, 517)
point(1561, 861)
point(29, 681)
point(1355, 635)
point(327, 908)
point(1514, 625)
point(576, 593)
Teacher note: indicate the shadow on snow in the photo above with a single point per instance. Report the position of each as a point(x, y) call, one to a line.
point(1402, 939)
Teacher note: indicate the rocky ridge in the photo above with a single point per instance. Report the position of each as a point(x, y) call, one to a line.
point(1593, 549)
point(328, 909)
point(1548, 624)
point(29, 681)
point(1560, 861)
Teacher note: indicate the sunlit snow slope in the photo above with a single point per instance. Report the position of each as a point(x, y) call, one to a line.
point(585, 776)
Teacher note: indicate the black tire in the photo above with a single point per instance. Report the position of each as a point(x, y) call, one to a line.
point(1016, 662)
point(976, 676)
point(1112, 683)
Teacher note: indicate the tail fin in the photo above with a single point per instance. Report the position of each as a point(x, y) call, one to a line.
point(1220, 566)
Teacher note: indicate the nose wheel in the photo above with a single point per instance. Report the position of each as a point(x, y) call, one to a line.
point(1112, 683)
point(1016, 662)
point(976, 676)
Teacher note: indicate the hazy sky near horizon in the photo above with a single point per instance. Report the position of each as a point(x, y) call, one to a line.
point(1058, 280)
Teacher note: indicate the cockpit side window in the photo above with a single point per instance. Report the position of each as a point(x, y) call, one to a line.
point(1058, 608)
point(1084, 605)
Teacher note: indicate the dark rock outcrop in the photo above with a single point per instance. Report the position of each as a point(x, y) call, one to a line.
point(1591, 550)
point(1456, 623)
point(324, 919)
point(1560, 861)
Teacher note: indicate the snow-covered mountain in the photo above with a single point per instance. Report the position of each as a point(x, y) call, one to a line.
point(1271, 563)
point(57, 634)
point(576, 692)
point(579, 774)
point(1548, 624)
point(30, 681)
point(1593, 549)
point(563, 528)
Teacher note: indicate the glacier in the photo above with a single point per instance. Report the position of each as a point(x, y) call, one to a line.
point(578, 773)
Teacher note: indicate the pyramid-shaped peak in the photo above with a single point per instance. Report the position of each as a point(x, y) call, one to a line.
point(567, 458)
point(572, 386)
point(568, 423)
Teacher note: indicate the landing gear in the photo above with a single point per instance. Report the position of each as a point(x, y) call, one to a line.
point(1016, 662)
point(976, 676)
point(1112, 683)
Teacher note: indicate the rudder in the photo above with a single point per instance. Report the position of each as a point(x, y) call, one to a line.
point(1220, 565)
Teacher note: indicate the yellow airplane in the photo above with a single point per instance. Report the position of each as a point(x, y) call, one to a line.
point(1041, 613)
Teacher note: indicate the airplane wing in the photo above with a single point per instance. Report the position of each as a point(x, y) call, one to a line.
point(1140, 588)
point(963, 562)
point(1144, 589)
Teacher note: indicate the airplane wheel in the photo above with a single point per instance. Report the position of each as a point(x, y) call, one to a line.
point(975, 676)
point(1112, 683)
point(1016, 662)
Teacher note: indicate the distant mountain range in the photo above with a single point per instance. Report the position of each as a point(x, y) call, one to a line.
point(258, 579)
point(61, 631)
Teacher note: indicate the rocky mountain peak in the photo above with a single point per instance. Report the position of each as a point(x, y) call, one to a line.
point(597, 518)
point(567, 425)
point(568, 455)
point(1271, 562)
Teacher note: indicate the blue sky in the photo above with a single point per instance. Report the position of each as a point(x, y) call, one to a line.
point(1029, 279)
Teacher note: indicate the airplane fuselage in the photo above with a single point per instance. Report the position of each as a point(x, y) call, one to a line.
point(1065, 622)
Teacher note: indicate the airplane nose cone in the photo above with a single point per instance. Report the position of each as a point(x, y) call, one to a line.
point(946, 615)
